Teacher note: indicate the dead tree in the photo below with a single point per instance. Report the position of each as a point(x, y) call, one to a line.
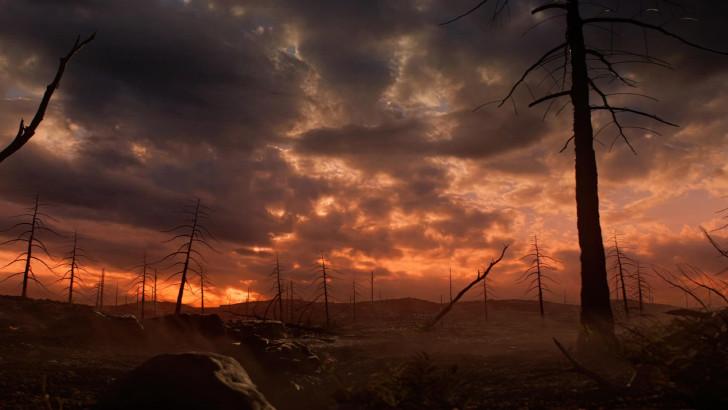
point(487, 295)
point(576, 69)
point(73, 262)
point(154, 292)
point(278, 286)
point(325, 277)
point(140, 281)
point(539, 264)
point(26, 132)
point(290, 301)
point(623, 268)
point(688, 270)
point(481, 276)
point(100, 290)
point(29, 237)
point(189, 235)
point(450, 282)
point(353, 299)
point(668, 278)
point(371, 281)
point(642, 286)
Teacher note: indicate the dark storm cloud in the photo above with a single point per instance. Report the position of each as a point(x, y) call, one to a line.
point(180, 99)
point(162, 71)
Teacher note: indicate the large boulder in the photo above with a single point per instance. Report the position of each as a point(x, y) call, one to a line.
point(187, 381)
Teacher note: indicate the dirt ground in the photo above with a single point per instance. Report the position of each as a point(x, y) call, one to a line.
point(508, 362)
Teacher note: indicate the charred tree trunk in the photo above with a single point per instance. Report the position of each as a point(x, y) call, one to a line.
point(188, 253)
point(326, 289)
point(620, 273)
point(73, 268)
point(29, 254)
point(596, 313)
point(539, 281)
point(280, 288)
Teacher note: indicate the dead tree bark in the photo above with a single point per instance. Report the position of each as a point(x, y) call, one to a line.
point(25, 133)
point(445, 310)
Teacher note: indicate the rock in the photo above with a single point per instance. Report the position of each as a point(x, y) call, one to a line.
point(187, 381)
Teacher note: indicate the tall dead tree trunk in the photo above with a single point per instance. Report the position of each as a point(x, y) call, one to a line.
point(596, 311)
point(190, 235)
point(188, 254)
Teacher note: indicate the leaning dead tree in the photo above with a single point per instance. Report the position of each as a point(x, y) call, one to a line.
point(623, 267)
point(29, 237)
point(481, 276)
point(75, 272)
point(140, 282)
point(189, 237)
point(26, 132)
point(536, 274)
point(671, 280)
point(581, 69)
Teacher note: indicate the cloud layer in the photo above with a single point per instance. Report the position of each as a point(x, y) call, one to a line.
point(346, 128)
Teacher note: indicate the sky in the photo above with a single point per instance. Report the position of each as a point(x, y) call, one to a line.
point(349, 129)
